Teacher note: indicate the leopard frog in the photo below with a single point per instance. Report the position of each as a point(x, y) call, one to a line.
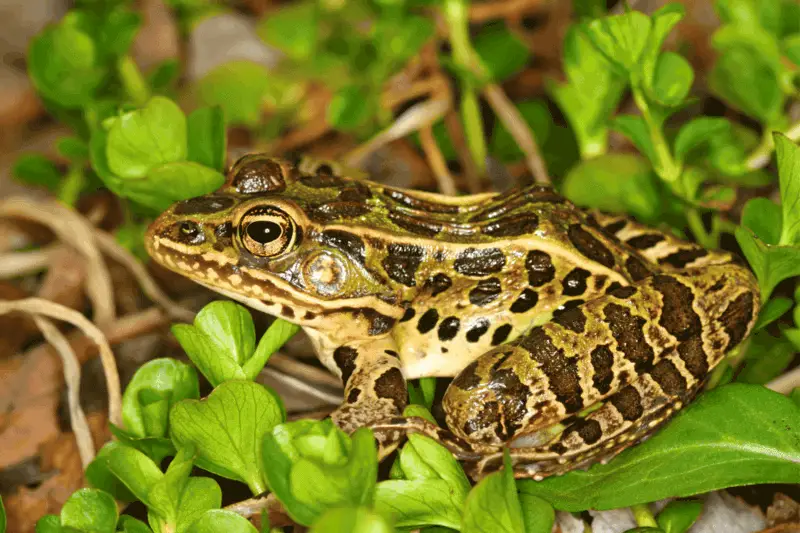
point(570, 335)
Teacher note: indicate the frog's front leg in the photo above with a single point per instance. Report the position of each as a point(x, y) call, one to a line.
point(374, 386)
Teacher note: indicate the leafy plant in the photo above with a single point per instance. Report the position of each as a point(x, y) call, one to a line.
point(131, 137)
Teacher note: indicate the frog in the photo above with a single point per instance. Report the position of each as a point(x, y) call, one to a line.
point(568, 334)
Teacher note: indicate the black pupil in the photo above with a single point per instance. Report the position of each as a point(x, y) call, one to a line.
point(263, 232)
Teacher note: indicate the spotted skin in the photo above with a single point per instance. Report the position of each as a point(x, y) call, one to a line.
point(537, 309)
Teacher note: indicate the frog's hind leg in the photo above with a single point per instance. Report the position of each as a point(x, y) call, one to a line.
point(623, 419)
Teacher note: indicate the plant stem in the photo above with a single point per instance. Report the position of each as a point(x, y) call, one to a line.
point(665, 166)
point(455, 13)
point(133, 81)
point(695, 221)
point(643, 516)
point(71, 187)
point(761, 155)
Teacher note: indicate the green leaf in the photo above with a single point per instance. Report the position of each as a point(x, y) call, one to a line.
point(63, 66)
point(167, 378)
point(140, 140)
point(422, 394)
point(537, 514)
point(114, 34)
point(3, 520)
point(634, 128)
point(206, 137)
point(349, 108)
point(538, 119)
point(49, 524)
point(620, 38)
point(721, 440)
point(156, 448)
point(788, 154)
point(227, 428)
point(771, 264)
point(697, 132)
point(591, 94)
point(679, 515)
point(276, 336)
point(672, 79)
point(164, 75)
point(503, 53)
point(100, 477)
point(745, 81)
point(180, 180)
point(791, 48)
point(402, 41)
point(165, 493)
point(128, 524)
point(292, 29)
point(220, 520)
point(221, 340)
point(493, 506)
point(772, 311)
point(133, 468)
point(763, 218)
point(766, 358)
point(663, 21)
point(419, 502)
point(90, 510)
point(313, 466)
point(239, 88)
point(37, 170)
point(352, 520)
point(616, 183)
point(74, 149)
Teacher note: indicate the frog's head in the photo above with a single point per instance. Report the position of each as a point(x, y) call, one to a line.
point(272, 237)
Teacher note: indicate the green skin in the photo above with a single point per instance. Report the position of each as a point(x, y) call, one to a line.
point(539, 309)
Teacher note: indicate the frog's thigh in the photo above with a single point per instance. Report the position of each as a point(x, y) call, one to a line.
point(374, 386)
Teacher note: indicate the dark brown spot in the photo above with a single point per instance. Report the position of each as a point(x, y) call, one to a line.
point(614, 286)
point(345, 242)
point(628, 403)
point(485, 292)
point(378, 323)
point(331, 211)
point(512, 226)
point(682, 258)
point(479, 261)
point(287, 311)
point(355, 192)
point(558, 448)
point(540, 268)
point(477, 330)
point(428, 321)
point(694, 357)
point(352, 396)
point(590, 246)
point(561, 371)
point(345, 359)
point(468, 378)
point(571, 319)
point(668, 378)
point(255, 174)
point(414, 225)
point(402, 261)
point(677, 315)
point(589, 430)
point(647, 240)
point(308, 315)
point(718, 285)
point(736, 318)
point(574, 283)
point(438, 284)
point(616, 226)
point(602, 362)
point(448, 328)
point(392, 386)
point(525, 302)
point(202, 205)
point(623, 293)
point(420, 204)
point(390, 353)
point(322, 178)
point(408, 315)
point(224, 236)
point(627, 329)
point(501, 334)
point(636, 268)
point(486, 417)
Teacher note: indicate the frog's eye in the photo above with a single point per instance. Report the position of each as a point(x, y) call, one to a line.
point(267, 231)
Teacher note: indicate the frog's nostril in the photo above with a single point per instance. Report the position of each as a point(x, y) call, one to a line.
point(190, 232)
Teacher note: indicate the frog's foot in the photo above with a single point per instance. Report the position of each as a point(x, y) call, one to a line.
point(625, 418)
point(394, 429)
